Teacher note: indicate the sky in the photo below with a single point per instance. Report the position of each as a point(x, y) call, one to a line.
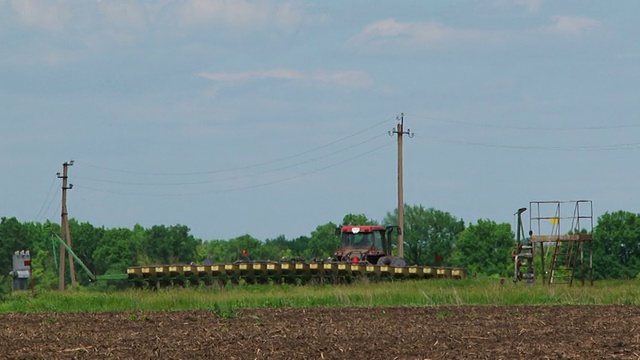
point(270, 117)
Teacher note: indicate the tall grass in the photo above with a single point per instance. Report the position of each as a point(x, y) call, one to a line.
point(405, 293)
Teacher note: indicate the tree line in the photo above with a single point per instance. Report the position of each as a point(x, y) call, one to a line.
point(432, 237)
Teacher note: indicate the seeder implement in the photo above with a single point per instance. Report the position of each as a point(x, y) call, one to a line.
point(365, 254)
point(281, 272)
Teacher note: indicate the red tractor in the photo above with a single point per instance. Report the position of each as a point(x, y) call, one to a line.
point(367, 244)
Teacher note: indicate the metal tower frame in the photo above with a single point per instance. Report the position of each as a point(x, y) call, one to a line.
point(565, 227)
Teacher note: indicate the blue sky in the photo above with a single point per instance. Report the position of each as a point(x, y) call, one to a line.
point(271, 117)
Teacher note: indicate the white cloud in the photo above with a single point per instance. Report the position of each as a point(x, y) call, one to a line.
point(240, 13)
point(390, 31)
point(572, 25)
point(99, 24)
point(47, 14)
point(356, 79)
point(136, 15)
point(91, 22)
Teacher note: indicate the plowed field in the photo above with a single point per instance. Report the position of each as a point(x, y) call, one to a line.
point(468, 332)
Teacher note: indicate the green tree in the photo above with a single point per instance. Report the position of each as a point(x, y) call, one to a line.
point(299, 245)
point(44, 260)
point(116, 251)
point(215, 250)
point(138, 236)
point(13, 237)
point(276, 249)
point(485, 248)
point(170, 245)
point(85, 239)
point(429, 234)
point(234, 248)
point(323, 242)
point(616, 246)
point(357, 219)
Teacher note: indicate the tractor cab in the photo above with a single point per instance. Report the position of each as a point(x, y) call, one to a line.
point(366, 243)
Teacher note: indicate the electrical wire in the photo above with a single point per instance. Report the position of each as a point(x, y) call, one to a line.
point(529, 128)
point(46, 199)
point(51, 202)
point(627, 146)
point(209, 172)
point(239, 188)
point(234, 177)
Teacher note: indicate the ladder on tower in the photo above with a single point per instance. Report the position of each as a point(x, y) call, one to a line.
point(563, 262)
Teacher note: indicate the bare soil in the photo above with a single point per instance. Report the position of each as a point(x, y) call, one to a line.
point(468, 332)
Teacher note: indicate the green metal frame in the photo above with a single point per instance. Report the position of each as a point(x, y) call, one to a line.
point(92, 276)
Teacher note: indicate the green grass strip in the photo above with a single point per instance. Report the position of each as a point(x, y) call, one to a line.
point(403, 293)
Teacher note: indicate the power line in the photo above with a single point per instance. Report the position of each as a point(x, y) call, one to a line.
point(55, 210)
point(46, 199)
point(209, 172)
point(235, 177)
point(239, 188)
point(529, 128)
point(628, 146)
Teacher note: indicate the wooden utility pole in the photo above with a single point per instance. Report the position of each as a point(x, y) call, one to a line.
point(400, 131)
point(65, 232)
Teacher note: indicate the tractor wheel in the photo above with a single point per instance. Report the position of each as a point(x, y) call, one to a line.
point(384, 261)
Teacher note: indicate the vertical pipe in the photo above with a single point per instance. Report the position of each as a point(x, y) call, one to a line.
point(542, 259)
point(591, 245)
